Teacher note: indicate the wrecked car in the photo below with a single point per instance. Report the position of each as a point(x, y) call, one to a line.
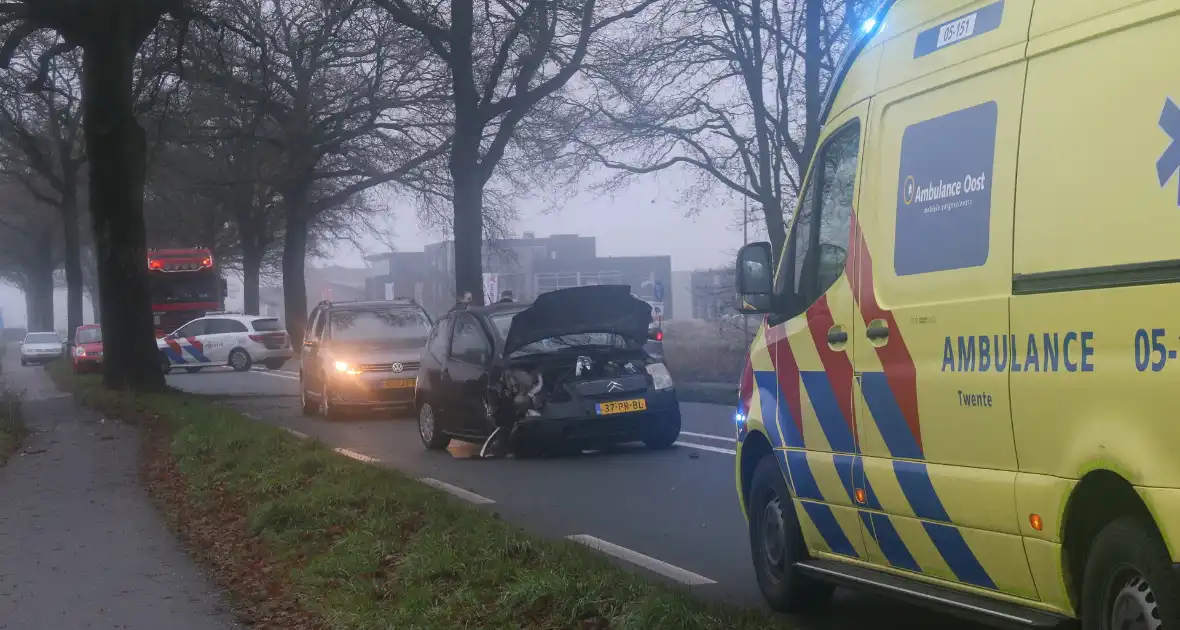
point(568, 370)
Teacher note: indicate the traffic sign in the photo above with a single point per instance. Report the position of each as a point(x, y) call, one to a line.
point(657, 311)
point(658, 290)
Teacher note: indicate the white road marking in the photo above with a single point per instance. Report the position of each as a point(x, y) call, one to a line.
point(289, 377)
point(707, 436)
point(360, 457)
point(466, 495)
point(302, 436)
point(674, 572)
point(705, 447)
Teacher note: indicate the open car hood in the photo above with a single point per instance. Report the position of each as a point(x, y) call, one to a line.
point(601, 308)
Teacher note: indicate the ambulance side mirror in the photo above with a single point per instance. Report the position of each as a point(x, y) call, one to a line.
point(755, 277)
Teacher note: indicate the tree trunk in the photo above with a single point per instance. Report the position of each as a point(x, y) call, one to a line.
point(466, 170)
point(468, 227)
point(813, 97)
point(251, 274)
point(73, 256)
point(117, 153)
point(96, 308)
point(30, 309)
point(39, 284)
point(294, 267)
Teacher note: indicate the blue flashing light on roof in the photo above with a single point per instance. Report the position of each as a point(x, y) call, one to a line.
point(869, 25)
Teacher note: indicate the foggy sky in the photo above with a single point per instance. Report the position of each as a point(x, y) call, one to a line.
point(646, 218)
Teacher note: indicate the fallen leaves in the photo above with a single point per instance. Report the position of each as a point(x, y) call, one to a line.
point(212, 523)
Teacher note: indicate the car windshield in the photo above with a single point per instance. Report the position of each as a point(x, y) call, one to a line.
point(393, 325)
point(184, 286)
point(553, 344)
point(90, 335)
point(266, 325)
point(42, 338)
point(504, 320)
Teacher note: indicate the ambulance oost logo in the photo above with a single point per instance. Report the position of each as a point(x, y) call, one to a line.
point(910, 189)
point(1168, 163)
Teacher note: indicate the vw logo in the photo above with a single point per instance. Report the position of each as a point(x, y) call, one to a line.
point(396, 367)
point(614, 387)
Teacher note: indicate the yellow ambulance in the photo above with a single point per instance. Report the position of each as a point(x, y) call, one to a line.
point(961, 394)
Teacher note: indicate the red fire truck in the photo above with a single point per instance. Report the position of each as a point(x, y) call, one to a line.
point(185, 285)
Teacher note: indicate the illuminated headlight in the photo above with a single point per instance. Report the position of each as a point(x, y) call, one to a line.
point(345, 367)
point(660, 378)
point(80, 352)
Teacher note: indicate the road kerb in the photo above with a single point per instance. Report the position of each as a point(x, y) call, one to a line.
point(671, 571)
point(456, 491)
point(298, 434)
point(360, 457)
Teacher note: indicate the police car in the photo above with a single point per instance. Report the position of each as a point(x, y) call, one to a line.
point(236, 340)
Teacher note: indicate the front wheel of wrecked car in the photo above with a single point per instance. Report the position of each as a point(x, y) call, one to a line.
point(663, 431)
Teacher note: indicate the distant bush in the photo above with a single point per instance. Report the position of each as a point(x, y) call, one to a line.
point(706, 352)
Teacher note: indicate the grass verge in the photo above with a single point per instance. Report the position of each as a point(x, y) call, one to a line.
point(12, 429)
point(306, 538)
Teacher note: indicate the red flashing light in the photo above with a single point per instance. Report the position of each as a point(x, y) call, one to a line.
point(207, 262)
point(155, 264)
point(660, 335)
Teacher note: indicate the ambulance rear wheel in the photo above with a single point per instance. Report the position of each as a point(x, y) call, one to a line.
point(776, 543)
point(1129, 580)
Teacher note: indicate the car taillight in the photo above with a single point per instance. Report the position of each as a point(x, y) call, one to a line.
point(258, 338)
point(660, 335)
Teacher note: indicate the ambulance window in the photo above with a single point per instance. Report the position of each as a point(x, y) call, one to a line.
point(798, 244)
point(815, 255)
point(835, 219)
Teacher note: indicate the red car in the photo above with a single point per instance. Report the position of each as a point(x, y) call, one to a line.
point(87, 348)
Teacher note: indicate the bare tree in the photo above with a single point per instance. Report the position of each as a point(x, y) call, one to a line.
point(110, 35)
point(30, 250)
point(349, 99)
point(732, 89)
point(505, 58)
point(41, 141)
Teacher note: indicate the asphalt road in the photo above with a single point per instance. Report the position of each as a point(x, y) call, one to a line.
point(674, 512)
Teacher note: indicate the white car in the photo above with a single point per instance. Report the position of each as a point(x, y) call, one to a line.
point(40, 347)
point(239, 341)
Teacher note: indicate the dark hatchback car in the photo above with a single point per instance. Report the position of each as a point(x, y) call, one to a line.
point(569, 369)
point(362, 356)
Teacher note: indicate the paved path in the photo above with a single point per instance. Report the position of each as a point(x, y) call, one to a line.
point(81, 545)
point(674, 513)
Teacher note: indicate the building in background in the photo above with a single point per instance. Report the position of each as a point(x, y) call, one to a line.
point(527, 266)
point(714, 293)
point(342, 284)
